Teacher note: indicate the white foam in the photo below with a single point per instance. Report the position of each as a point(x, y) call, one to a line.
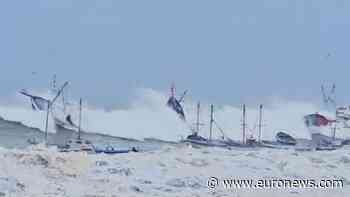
point(171, 171)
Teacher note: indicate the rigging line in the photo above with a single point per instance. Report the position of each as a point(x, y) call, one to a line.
point(220, 129)
point(181, 100)
point(255, 124)
point(189, 126)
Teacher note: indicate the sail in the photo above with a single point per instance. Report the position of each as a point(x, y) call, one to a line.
point(64, 112)
point(58, 110)
point(38, 103)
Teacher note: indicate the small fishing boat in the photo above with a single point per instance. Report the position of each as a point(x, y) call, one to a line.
point(285, 139)
point(110, 150)
point(346, 142)
point(251, 141)
point(32, 141)
point(78, 145)
point(205, 142)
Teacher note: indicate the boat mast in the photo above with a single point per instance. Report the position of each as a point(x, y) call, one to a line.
point(198, 113)
point(244, 124)
point(54, 82)
point(54, 90)
point(80, 108)
point(334, 130)
point(211, 121)
point(260, 121)
point(335, 127)
point(49, 104)
point(47, 122)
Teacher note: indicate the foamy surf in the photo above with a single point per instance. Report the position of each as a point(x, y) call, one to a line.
point(170, 171)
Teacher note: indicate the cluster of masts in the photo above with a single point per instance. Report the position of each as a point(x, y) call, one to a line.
point(44, 104)
point(198, 124)
point(312, 121)
point(194, 138)
point(175, 104)
point(71, 144)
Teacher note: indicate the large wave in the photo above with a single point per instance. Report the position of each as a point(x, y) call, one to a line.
point(148, 117)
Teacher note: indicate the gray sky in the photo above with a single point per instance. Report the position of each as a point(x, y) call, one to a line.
point(223, 51)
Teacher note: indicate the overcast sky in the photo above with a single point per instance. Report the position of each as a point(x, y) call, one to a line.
point(222, 51)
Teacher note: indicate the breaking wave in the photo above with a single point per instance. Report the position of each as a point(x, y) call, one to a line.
point(148, 117)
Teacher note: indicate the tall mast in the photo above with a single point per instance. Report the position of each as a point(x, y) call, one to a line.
point(80, 108)
point(49, 104)
point(47, 122)
point(198, 113)
point(334, 130)
point(54, 82)
point(335, 127)
point(260, 121)
point(211, 121)
point(335, 106)
point(172, 90)
point(244, 123)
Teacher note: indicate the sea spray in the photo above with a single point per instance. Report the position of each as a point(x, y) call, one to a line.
point(147, 116)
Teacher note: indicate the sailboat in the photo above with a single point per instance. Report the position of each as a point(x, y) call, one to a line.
point(78, 144)
point(62, 115)
point(43, 104)
point(68, 135)
point(246, 141)
point(196, 139)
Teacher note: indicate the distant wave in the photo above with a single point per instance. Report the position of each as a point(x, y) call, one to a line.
point(148, 117)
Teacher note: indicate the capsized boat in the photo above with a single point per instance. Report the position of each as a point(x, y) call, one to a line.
point(175, 104)
point(285, 139)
